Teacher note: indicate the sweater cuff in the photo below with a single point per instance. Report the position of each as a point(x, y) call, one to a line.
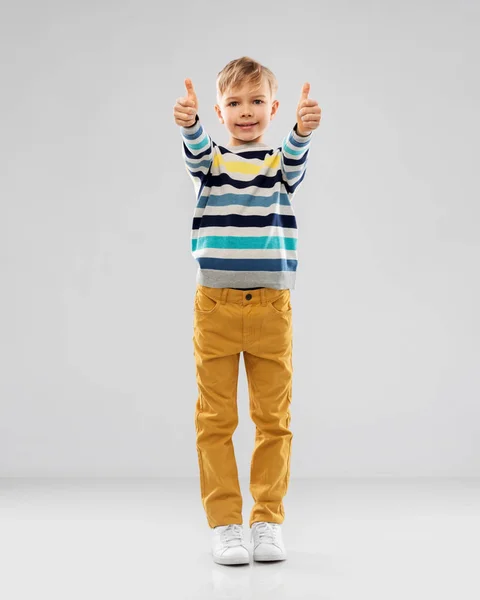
point(300, 138)
point(193, 128)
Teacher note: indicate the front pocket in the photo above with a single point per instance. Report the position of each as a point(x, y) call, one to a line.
point(281, 304)
point(204, 304)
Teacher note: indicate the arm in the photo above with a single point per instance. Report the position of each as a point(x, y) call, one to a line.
point(293, 158)
point(295, 146)
point(197, 150)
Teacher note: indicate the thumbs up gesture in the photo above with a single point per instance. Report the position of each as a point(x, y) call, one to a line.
point(186, 107)
point(309, 113)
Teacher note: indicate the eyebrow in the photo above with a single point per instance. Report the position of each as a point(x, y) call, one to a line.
point(252, 96)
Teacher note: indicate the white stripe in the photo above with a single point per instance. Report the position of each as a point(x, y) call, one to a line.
point(254, 253)
point(241, 209)
point(245, 232)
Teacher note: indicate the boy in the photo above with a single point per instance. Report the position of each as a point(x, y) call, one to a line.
point(244, 239)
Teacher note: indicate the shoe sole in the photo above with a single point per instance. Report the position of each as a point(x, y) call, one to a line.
point(270, 558)
point(231, 560)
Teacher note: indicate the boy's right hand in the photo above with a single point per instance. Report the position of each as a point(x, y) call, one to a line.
point(186, 108)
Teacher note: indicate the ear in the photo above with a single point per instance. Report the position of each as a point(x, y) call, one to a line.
point(275, 105)
point(219, 112)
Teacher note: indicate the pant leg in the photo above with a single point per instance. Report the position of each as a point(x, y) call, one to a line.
point(269, 368)
point(217, 345)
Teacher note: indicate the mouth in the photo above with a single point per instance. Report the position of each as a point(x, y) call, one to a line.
point(247, 125)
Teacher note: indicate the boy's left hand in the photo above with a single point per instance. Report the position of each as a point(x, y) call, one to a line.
point(309, 113)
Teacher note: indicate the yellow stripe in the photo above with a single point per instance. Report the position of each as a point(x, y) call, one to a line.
point(238, 166)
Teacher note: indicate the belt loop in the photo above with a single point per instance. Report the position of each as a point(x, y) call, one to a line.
point(263, 297)
point(224, 295)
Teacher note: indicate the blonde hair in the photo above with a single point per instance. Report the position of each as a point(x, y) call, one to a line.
point(245, 70)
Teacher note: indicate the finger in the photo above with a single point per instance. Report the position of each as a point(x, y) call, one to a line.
point(186, 102)
point(309, 111)
point(308, 104)
point(305, 91)
point(190, 90)
point(311, 108)
point(182, 114)
point(182, 120)
point(310, 115)
point(310, 123)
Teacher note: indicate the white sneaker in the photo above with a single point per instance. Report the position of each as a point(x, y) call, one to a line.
point(267, 541)
point(228, 547)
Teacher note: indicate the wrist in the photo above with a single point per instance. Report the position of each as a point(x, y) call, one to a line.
point(300, 131)
point(194, 123)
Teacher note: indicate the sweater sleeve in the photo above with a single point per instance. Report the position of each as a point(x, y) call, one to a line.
point(197, 150)
point(294, 154)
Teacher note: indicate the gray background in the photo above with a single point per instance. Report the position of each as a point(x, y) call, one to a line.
point(98, 281)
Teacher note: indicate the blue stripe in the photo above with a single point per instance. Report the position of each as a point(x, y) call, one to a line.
point(248, 264)
point(198, 163)
point(244, 243)
point(198, 146)
point(229, 199)
point(233, 220)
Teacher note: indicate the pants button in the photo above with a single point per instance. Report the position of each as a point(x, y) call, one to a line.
point(248, 296)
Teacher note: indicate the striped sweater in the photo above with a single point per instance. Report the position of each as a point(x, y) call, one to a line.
point(244, 231)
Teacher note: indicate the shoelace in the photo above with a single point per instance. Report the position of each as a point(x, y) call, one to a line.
point(232, 535)
point(266, 532)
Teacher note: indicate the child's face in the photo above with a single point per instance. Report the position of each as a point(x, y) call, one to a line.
point(245, 105)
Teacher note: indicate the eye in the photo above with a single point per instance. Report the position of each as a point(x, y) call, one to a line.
point(235, 102)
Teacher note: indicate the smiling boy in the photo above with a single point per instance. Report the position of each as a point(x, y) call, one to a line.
point(244, 238)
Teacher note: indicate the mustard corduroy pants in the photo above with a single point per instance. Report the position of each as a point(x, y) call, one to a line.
point(259, 324)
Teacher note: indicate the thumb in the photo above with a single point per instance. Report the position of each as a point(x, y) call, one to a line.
point(305, 91)
point(191, 95)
